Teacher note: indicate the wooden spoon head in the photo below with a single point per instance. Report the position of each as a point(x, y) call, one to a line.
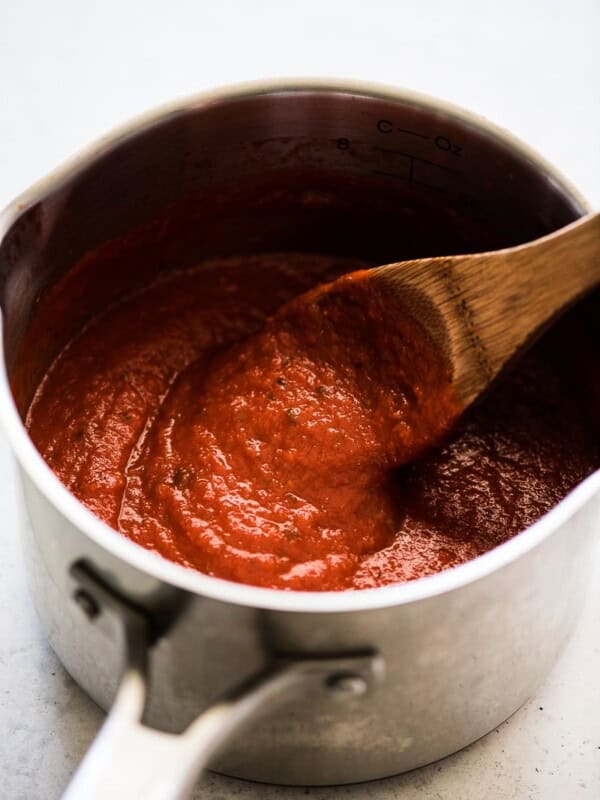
point(428, 290)
point(482, 310)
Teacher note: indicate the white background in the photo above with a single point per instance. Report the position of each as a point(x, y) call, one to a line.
point(71, 70)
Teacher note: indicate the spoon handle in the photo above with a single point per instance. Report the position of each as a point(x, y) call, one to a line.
point(483, 308)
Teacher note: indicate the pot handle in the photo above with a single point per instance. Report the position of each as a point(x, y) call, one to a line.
point(131, 761)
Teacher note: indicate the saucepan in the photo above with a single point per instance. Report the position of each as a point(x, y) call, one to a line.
point(302, 688)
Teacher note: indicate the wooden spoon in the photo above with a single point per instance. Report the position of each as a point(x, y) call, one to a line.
point(481, 310)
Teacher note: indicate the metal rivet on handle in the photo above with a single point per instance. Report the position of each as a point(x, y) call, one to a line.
point(347, 684)
point(86, 603)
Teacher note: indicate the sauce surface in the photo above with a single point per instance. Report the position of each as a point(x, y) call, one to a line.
point(260, 440)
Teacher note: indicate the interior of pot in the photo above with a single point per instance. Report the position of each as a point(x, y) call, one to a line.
point(328, 171)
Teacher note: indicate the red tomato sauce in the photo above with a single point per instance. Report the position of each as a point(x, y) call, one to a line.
point(272, 442)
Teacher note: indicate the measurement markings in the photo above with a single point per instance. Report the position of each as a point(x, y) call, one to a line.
point(413, 133)
point(387, 126)
point(412, 181)
point(408, 177)
point(415, 158)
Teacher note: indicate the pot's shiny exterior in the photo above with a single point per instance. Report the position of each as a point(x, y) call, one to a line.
point(463, 649)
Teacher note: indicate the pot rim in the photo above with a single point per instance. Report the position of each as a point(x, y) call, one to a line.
point(217, 588)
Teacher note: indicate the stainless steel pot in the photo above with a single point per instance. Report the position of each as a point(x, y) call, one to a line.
point(340, 687)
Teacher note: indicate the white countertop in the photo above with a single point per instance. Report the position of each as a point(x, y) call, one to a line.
point(71, 70)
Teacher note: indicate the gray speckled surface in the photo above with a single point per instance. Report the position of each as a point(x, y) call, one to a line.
point(72, 69)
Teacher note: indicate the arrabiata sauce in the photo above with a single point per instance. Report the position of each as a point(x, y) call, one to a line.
point(274, 447)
